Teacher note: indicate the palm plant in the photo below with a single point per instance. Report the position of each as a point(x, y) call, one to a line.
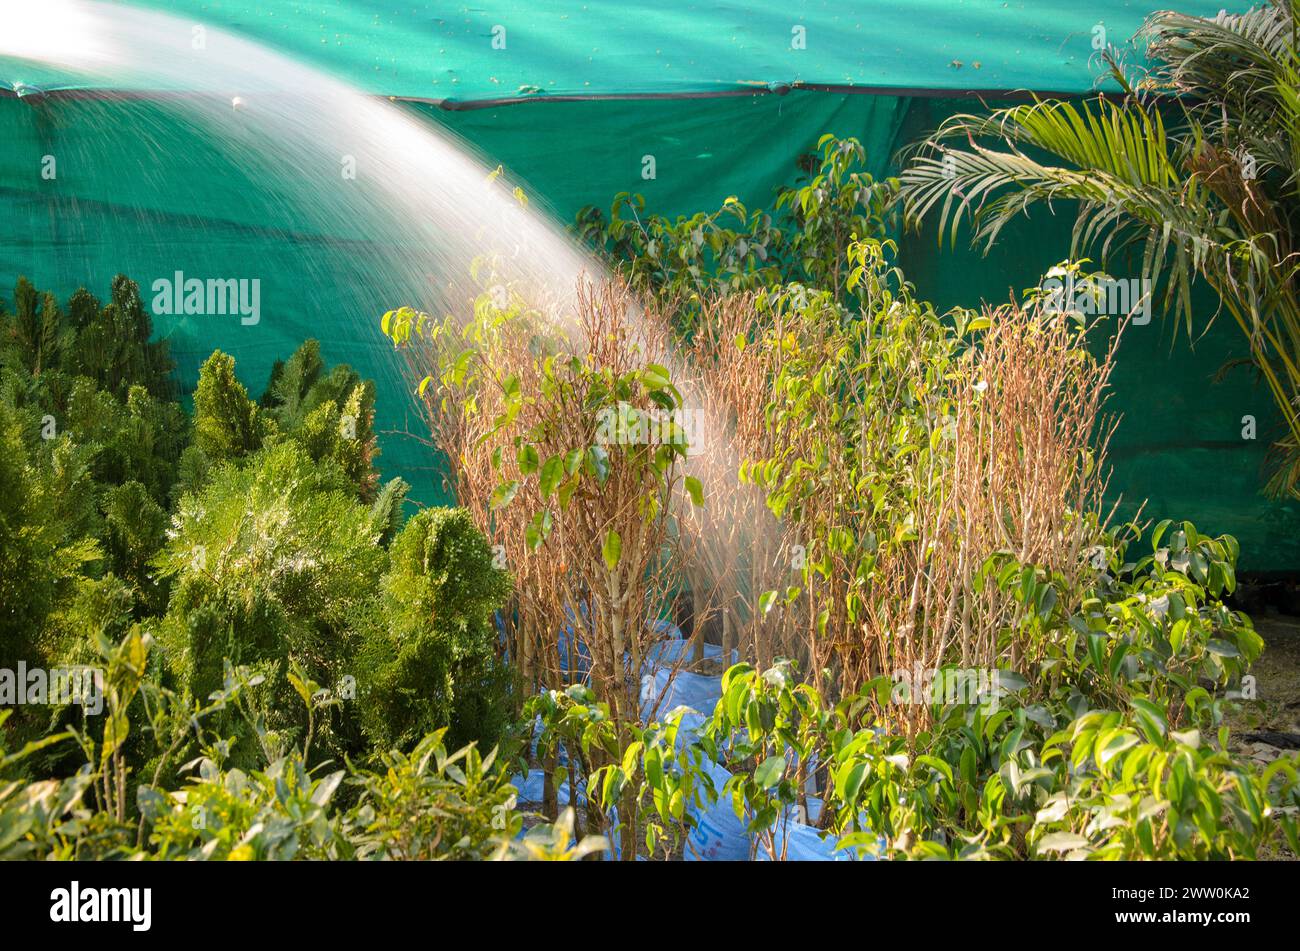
point(1214, 194)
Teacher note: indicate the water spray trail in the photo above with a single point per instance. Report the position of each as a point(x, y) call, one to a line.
point(415, 217)
point(414, 186)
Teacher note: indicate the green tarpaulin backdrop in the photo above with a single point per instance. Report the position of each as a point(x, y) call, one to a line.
point(721, 95)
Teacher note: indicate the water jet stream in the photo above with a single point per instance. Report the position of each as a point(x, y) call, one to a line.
point(418, 212)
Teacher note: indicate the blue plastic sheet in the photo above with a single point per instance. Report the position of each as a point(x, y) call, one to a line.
point(674, 649)
point(717, 835)
point(581, 664)
point(531, 789)
point(664, 691)
point(803, 843)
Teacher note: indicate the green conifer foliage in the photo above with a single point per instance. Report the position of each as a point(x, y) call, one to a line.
point(330, 413)
point(255, 533)
point(227, 425)
point(269, 563)
point(432, 663)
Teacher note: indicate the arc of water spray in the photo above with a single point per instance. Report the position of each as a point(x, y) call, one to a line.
point(422, 207)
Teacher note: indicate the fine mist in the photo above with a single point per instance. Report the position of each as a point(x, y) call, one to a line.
point(423, 219)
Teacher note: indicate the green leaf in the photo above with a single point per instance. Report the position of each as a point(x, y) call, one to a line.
point(538, 530)
point(696, 490)
point(1111, 743)
point(552, 473)
point(1151, 718)
point(597, 463)
point(1062, 842)
point(612, 549)
point(504, 494)
point(770, 771)
point(654, 771)
point(1222, 648)
point(849, 780)
point(299, 687)
point(528, 459)
point(1159, 533)
point(936, 764)
point(655, 377)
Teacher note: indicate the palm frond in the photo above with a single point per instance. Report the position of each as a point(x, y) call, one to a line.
point(1217, 198)
point(1118, 163)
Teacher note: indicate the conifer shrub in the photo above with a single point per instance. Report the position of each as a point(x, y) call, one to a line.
point(431, 663)
point(108, 344)
point(255, 533)
point(227, 424)
point(93, 437)
point(269, 563)
point(331, 414)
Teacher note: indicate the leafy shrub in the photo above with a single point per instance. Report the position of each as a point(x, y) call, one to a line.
point(889, 444)
point(278, 564)
point(474, 812)
point(273, 814)
point(640, 780)
point(135, 529)
point(47, 819)
point(1113, 748)
point(734, 249)
point(136, 438)
point(532, 411)
point(1154, 626)
point(1012, 779)
point(425, 804)
point(259, 535)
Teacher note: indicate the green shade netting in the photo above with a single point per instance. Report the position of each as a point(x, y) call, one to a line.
point(440, 50)
point(1179, 442)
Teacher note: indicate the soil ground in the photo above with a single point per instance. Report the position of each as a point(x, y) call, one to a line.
point(1277, 686)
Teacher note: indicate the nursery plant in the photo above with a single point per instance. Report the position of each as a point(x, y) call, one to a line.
point(330, 415)
point(567, 448)
point(280, 562)
point(733, 249)
point(430, 804)
point(268, 564)
point(897, 451)
point(1115, 749)
point(294, 670)
point(430, 660)
point(257, 535)
point(91, 446)
point(559, 451)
